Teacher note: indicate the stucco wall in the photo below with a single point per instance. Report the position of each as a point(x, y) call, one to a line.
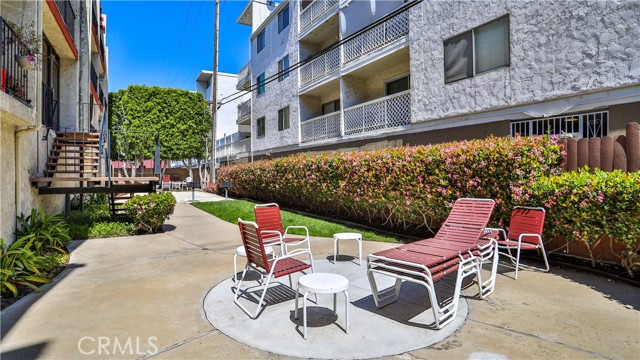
point(278, 94)
point(558, 48)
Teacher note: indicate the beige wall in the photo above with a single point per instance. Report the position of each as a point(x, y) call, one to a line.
point(621, 115)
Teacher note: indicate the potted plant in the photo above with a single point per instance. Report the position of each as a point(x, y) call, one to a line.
point(29, 49)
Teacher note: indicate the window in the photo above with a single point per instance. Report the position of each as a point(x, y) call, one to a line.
point(261, 84)
point(397, 85)
point(331, 106)
point(260, 124)
point(283, 119)
point(283, 19)
point(478, 50)
point(260, 41)
point(283, 68)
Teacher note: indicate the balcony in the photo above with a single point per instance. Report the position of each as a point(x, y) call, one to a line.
point(59, 23)
point(234, 150)
point(376, 38)
point(244, 78)
point(315, 10)
point(383, 113)
point(68, 16)
point(320, 67)
point(103, 64)
point(14, 80)
point(321, 128)
point(244, 113)
point(95, 28)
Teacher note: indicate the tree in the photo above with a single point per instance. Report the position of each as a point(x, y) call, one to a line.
point(138, 114)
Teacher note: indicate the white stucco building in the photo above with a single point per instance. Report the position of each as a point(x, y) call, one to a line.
point(66, 92)
point(232, 138)
point(392, 72)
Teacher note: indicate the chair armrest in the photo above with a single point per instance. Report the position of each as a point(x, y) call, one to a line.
point(532, 235)
point(296, 227)
point(488, 230)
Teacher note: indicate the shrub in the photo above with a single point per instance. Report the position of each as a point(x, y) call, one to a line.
point(19, 266)
point(150, 211)
point(408, 187)
point(210, 188)
point(50, 232)
point(588, 207)
point(109, 229)
point(87, 200)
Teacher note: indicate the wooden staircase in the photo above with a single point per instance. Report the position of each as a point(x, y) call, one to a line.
point(117, 202)
point(75, 155)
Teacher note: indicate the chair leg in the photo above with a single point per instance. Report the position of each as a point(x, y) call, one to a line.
point(235, 268)
point(517, 262)
point(335, 249)
point(360, 251)
point(260, 302)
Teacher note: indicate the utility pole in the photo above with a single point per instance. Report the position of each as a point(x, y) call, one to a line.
point(214, 93)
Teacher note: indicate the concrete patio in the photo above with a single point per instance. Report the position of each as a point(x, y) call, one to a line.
point(150, 291)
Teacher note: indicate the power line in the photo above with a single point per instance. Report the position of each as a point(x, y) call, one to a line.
point(173, 60)
point(195, 24)
point(295, 66)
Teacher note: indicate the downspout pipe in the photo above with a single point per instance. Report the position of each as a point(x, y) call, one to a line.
point(18, 166)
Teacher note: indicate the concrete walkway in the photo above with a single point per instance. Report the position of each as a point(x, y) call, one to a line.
point(142, 297)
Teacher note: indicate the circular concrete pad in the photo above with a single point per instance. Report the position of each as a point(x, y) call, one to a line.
point(402, 326)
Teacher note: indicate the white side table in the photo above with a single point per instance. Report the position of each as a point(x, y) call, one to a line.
point(322, 283)
point(346, 236)
point(240, 252)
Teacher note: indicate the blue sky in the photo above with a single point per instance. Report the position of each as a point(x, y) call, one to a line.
point(167, 43)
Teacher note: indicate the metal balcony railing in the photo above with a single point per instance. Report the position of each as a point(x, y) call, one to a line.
point(323, 127)
point(320, 67)
point(102, 54)
point(376, 37)
point(94, 78)
point(68, 15)
point(14, 80)
point(385, 112)
point(243, 76)
point(234, 149)
point(316, 9)
point(101, 97)
point(244, 110)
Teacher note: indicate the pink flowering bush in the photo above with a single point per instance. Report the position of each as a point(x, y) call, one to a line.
point(590, 207)
point(408, 187)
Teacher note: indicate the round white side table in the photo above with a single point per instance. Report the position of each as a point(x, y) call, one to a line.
point(346, 236)
point(322, 283)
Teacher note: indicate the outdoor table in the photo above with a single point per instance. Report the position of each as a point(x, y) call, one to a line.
point(322, 283)
point(346, 236)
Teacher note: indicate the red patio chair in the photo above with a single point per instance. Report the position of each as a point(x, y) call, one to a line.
point(166, 181)
point(270, 267)
point(270, 221)
point(456, 248)
point(525, 233)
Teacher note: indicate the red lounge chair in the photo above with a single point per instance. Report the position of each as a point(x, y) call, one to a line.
point(456, 248)
point(269, 219)
point(271, 268)
point(525, 233)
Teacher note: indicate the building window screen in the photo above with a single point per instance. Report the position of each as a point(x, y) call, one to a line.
point(261, 84)
point(283, 68)
point(398, 85)
point(283, 119)
point(260, 41)
point(479, 50)
point(283, 19)
point(261, 128)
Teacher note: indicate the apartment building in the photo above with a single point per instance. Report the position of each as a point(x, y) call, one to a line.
point(66, 92)
point(348, 74)
point(233, 132)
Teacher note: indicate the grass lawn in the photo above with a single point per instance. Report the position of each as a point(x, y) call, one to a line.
point(232, 210)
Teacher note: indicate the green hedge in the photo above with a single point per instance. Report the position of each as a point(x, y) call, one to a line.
point(588, 207)
point(150, 211)
point(408, 187)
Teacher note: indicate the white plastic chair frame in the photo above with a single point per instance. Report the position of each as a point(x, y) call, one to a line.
point(469, 265)
point(274, 240)
point(263, 273)
point(517, 245)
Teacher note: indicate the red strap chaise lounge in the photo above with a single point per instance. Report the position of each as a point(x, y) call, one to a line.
point(458, 247)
